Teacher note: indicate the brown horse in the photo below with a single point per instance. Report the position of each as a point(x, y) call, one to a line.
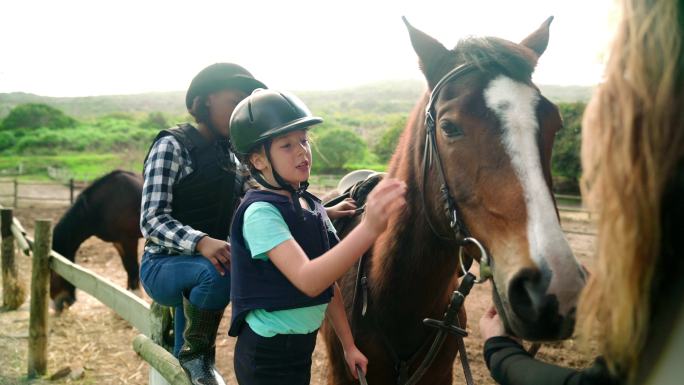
point(493, 137)
point(109, 209)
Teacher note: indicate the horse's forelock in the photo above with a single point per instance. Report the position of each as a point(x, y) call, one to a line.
point(518, 61)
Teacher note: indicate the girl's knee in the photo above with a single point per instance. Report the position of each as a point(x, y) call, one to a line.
point(211, 277)
point(209, 273)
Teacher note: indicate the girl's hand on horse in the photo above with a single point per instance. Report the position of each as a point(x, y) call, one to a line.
point(386, 199)
point(346, 208)
point(353, 357)
point(216, 251)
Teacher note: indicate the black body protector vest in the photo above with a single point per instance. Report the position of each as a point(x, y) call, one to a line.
point(206, 198)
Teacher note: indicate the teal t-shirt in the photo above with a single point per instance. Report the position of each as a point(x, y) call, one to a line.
point(263, 229)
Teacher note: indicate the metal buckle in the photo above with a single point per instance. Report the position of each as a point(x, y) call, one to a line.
point(450, 322)
point(454, 221)
point(485, 269)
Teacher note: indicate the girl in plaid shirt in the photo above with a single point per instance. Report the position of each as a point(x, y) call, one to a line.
point(192, 185)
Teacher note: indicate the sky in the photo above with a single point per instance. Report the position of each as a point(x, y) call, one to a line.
point(95, 47)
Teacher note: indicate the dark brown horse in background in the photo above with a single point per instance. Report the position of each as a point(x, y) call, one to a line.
point(494, 133)
point(109, 209)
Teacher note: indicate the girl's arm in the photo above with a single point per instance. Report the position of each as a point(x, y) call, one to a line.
point(338, 319)
point(313, 276)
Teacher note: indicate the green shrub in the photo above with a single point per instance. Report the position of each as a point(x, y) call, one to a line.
point(385, 147)
point(333, 148)
point(7, 140)
point(156, 121)
point(37, 115)
point(565, 160)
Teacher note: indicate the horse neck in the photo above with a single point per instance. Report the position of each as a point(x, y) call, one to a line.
point(71, 230)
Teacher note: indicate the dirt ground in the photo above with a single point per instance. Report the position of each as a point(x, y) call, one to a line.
point(96, 344)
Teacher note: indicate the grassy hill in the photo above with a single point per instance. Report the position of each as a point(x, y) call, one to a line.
point(385, 97)
point(360, 130)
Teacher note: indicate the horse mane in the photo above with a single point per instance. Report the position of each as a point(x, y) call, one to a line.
point(516, 60)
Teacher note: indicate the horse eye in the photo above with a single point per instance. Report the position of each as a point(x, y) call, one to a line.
point(451, 129)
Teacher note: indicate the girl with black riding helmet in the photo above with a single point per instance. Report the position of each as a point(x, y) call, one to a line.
point(192, 185)
point(286, 254)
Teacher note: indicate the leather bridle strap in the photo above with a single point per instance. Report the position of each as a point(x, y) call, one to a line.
point(431, 155)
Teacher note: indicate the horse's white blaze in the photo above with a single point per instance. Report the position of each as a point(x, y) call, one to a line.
point(515, 105)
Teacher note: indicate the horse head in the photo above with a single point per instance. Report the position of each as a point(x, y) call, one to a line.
point(493, 135)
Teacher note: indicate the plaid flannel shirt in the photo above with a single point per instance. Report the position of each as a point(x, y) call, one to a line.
point(167, 163)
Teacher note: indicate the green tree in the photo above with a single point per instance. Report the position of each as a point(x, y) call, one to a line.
point(7, 140)
point(566, 149)
point(385, 147)
point(156, 121)
point(35, 115)
point(333, 148)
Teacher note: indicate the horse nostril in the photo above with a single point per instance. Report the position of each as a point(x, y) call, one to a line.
point(526, 294)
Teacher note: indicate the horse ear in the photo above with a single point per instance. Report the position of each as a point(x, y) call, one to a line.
point(538, 40)
point(429, 50)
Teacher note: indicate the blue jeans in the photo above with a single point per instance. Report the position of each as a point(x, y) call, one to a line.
point(167, 278)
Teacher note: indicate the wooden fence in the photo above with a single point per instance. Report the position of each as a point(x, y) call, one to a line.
point(15, 196)
point(152, 321)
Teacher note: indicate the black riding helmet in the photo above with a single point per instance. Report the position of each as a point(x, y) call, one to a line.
point(262, 116)
point(221, 76)
point(214, 78)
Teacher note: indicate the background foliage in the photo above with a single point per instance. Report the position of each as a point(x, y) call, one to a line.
point(90, 136)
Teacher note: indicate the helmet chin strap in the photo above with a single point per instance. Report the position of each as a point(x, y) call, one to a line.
point(283, 185)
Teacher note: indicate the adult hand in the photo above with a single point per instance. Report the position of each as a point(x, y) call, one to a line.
point(491, 325)
point(386, 199)
point(346, 208)
point(216, 251)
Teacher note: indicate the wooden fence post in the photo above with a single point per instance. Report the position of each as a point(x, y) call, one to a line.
point(161, 326)
point(71, 191)
point(38, 324)
point(13, 291)
point(16, 194)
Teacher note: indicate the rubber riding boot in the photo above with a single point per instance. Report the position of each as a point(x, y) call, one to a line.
point(196, 357)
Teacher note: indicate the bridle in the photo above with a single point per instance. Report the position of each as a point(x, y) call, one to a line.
point(431, 156)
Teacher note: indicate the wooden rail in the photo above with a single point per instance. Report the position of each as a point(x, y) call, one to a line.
point(15, 196)
point(124, 303)
point(151, 320)
point(161, 360)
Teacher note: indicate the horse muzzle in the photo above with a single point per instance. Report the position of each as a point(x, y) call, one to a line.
point(531, 312)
